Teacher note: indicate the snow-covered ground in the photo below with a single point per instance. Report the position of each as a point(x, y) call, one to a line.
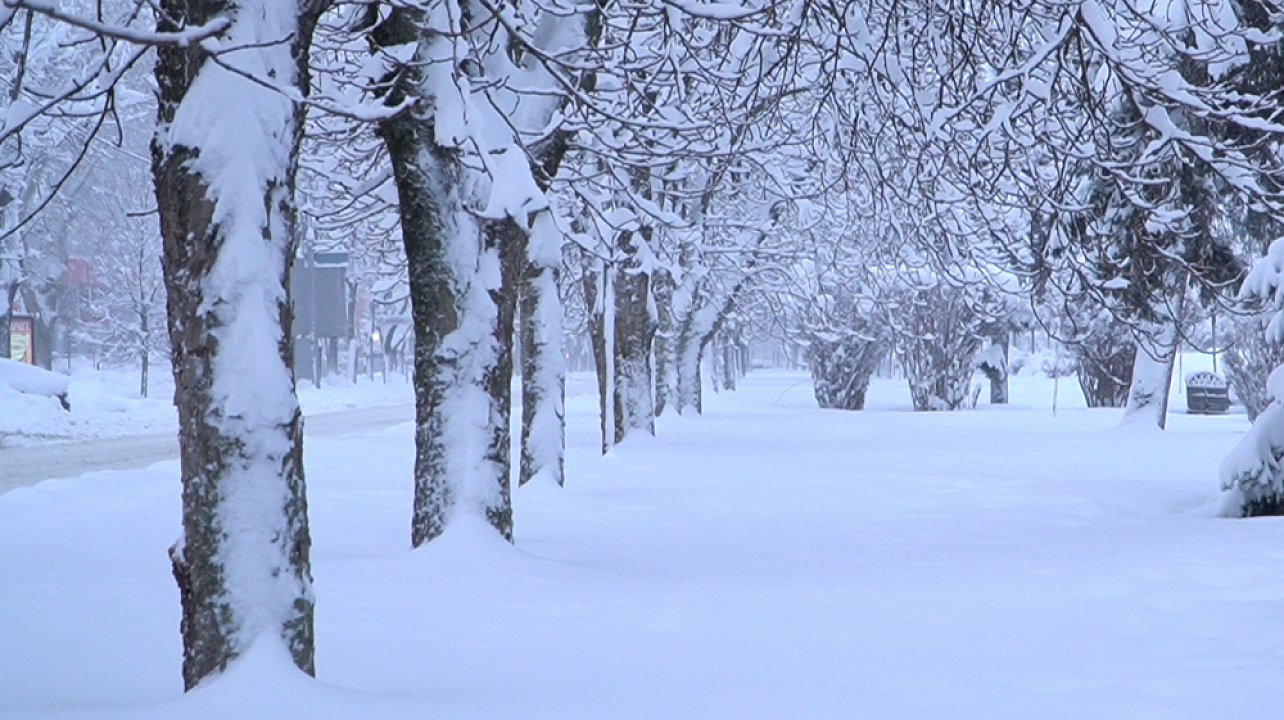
point(766, 560)
point(106, 404)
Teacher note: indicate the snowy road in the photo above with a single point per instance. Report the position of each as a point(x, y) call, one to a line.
point(22, 466)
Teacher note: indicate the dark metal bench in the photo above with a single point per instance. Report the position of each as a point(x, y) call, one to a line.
point(1207, 394)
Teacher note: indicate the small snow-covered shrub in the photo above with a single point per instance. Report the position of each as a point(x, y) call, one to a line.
point(1103, 352)
point(846, 339)
point(841, 365)
point(940, 331)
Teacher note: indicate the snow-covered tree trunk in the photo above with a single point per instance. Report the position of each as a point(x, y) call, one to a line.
point(939, 372)
point(939, 345)
point(543, 364)
point(1152, 376)
point(635, 325)
point(730, 363)
point(461, 412)
point(662, 345)
point(224, 160)
point(599, 295)
point(695, 330)
point(621, 327)
point(688, 355)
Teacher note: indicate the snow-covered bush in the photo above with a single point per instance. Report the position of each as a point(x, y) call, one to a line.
point(1102, 351)
point(841, 365)
point(939, 332)
point(844, 330)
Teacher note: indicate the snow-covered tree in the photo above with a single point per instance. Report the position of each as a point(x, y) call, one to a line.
point(939, 329)
point(126, 306)
point(229, 79)
point(225, 156)
point(477, 226)
point(1252, 475)
point(841, 363)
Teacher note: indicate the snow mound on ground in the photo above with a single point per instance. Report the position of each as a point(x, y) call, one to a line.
point(264, 684)
point(30, 379)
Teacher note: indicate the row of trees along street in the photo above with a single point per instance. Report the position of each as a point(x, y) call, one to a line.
point(674, 181)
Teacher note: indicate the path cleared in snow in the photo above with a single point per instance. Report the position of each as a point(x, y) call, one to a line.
point(766, 560)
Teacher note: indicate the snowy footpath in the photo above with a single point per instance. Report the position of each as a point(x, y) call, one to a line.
point(766, 560)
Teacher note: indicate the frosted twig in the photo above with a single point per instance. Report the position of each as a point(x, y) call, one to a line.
point(183, 38)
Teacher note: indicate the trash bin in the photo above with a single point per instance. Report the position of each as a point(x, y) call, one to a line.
point(1207, 394)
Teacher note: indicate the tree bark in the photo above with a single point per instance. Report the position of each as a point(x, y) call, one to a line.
point(841, 369)
point(242, 564)
point(598, 295)
point(543, 364)
point(634, 329)
point(702, 322)
point(662, 345)
point(1152, 374)
point(1152, 371)
point(463, 322)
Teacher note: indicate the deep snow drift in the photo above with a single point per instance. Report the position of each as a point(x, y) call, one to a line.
point(766, 560)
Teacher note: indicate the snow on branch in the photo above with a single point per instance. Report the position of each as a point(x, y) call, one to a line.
point(183, 38)
point(361, 112)
point(723, 11)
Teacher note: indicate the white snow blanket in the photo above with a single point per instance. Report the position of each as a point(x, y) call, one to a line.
point(766, 560)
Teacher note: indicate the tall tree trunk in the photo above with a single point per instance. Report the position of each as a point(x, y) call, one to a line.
point(1152, 372)
point(1152, 375)
point(634, 329)
point(543, 364)
point(621, 327)
point(224, 161)
point(730, 364)
point(599, 297)
point(462, 319)
point(662, 288)
point(703, 321)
